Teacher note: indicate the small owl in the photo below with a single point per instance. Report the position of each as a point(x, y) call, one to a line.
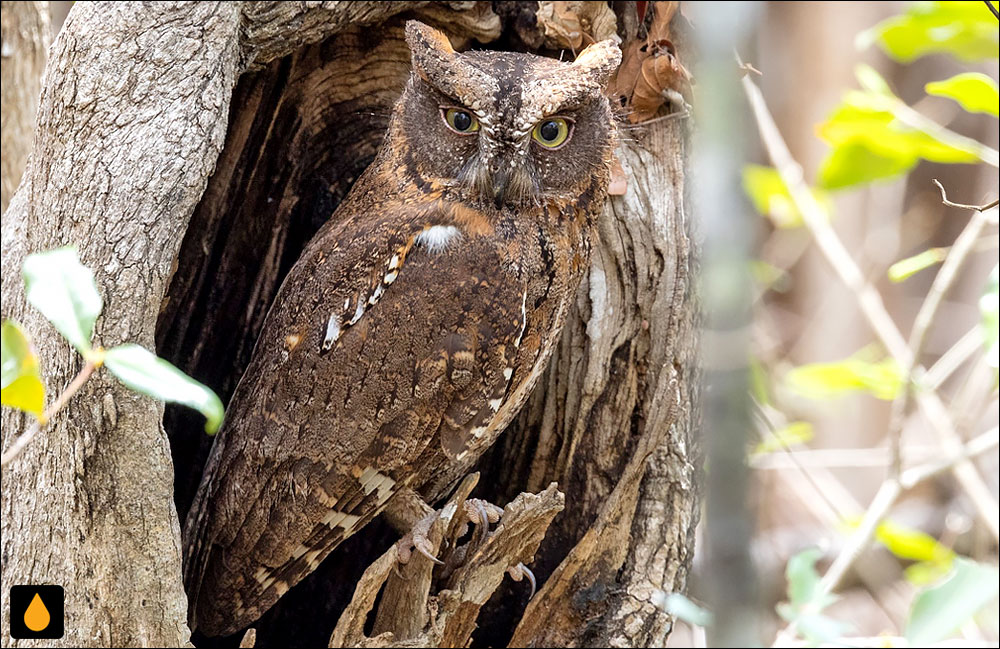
point(414, 325)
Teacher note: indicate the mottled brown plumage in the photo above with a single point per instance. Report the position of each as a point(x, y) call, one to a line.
point(414, 325)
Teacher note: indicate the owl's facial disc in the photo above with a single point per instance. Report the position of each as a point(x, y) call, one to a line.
point(506, 129)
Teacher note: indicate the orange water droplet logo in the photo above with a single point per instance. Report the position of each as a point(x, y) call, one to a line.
point(36, 617)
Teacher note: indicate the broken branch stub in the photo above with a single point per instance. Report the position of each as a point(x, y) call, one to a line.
point(450, 614)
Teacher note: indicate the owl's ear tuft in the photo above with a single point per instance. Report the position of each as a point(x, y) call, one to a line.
point(431, 49)
point(597, 62)
point(436, 62)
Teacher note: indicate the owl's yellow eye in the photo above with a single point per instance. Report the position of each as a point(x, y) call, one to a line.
point(461, 121)
point(552, 133)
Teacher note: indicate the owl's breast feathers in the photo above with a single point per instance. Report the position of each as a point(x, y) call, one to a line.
point(398, 347)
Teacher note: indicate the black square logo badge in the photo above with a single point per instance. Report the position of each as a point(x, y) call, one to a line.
point(36, 612)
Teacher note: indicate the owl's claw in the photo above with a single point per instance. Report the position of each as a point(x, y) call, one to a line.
point(520, 571)
point(481, 513)
point(477, 511)
point(416, 539)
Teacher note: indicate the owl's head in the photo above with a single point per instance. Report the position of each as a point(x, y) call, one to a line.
point(506, 129)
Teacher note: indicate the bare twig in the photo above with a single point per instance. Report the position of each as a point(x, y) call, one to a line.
point(943, 281)
point(22, 442)
point(886, 497)
point(872, 307)
point(975, 208)
point(952, 359)
point(870, 303)
point(993, 9)
point(919, 121)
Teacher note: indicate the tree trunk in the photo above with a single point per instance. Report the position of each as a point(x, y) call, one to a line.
point(190, 150)
point(26, 37)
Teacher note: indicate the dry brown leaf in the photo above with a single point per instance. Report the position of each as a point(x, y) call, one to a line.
point(622, 85)
point(659, 28)
point(650, 73)
point(659, 72)
point(575, 24)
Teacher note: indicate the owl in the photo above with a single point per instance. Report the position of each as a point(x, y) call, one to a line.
point(415, 323)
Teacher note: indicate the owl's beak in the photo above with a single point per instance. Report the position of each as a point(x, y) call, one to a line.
point(500, 180)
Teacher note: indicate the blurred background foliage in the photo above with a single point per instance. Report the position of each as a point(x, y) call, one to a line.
point(873, 366)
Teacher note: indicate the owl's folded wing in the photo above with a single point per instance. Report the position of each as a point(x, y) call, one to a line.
point(391, 340)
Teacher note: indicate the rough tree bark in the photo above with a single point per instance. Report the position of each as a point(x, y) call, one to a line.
point(190, 150)
point(26, 35)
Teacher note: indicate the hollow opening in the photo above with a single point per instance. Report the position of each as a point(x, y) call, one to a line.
point(301, 131)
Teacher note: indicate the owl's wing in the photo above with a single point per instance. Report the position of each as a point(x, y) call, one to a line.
point(390, 334)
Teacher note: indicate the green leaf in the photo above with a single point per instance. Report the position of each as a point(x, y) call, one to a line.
point(938, 612)
point(869, 143)
point(142, 371)
point(771, 198)
point(976, 92)
point(803, 580)
point(853, 163)
point(806, 601)
point(923, 573)
point(63, 289)
point(828, 380)
point(966, 30)
point(989, 306)
point(796, 432)
point(22, 387)
point(908, 543)
point(684, 609)
point(905, 268)
point(769, 276)
point(759, 383)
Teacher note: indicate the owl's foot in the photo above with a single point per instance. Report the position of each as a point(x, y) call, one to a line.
point(520, 571)
point(481, 514)
point(416, 539)
point(477, 511)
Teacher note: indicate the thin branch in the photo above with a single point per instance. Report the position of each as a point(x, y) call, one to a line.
point(22, 442)
point(975, 208)
point(886, 497)
point(955, 357)
point(993, 9)
point(921, 122)
point(943, 281)
point(878, 317)
point(870, 303)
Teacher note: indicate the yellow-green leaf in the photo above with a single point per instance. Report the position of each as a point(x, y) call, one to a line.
point(828, 380)
point(967, 30)
point(144, 372)
point(853, 163)
point(869, 143)
point(976, 92)
point(796, 432)
point(22, 387)
point(908, 543)
point(771, 198)
point(904, 268)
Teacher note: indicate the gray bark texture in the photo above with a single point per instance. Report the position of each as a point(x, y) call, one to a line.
point(26, 37)
point(189, 150)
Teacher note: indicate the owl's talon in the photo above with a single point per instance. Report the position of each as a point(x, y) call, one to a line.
point(416, 539)
point(520, 571)
point(481, 513)
point(422, 546)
